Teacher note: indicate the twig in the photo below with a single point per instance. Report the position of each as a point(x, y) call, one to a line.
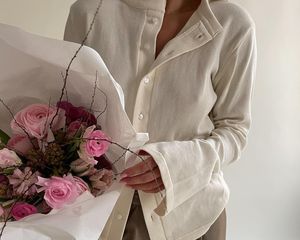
point(73, 58)
point(106, 103)
point(94, 92)
point(66, 90)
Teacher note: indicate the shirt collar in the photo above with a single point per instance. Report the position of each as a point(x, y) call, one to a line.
point(204, 12)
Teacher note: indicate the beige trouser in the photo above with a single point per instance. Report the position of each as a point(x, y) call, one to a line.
point(136, 228)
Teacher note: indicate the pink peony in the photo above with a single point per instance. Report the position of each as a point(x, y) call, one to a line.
point(95, 143)
point(20, 144)
point(23, 182)
point(9, 158)
point(58, 191)
point(36, 119)
point(82, 186)
point(21, 210)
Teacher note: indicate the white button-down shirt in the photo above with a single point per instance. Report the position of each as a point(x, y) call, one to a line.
point(194, 100)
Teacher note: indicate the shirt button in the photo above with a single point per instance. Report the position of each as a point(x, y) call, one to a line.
point(119, 217)
point(153, 21)
point(147, 46)
point(199, 36)
point(141, 116)
point(146, 80)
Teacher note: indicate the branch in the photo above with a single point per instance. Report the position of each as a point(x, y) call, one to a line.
point(73, 58)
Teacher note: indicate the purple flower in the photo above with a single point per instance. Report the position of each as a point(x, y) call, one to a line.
point(21, 210)
point(77, 113)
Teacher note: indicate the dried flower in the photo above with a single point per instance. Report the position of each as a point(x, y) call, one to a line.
point(101, 180)
point(23, 182)
point(9, 158)
point(81, 168)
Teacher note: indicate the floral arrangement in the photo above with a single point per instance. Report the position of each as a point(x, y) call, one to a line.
point(54, 155)
point(58, 159)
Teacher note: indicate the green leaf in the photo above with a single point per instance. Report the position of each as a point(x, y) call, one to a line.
point(4, 137)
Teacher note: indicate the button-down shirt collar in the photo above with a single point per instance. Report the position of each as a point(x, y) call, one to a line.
point(203, 12)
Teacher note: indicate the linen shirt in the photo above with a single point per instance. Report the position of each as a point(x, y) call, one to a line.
point(194, 100)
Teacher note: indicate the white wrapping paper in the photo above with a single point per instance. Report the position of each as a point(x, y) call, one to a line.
point(30, 72)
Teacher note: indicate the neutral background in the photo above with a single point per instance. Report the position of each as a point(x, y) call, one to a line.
point(265, 183)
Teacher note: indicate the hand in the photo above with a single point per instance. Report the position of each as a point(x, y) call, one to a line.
point(143, 176)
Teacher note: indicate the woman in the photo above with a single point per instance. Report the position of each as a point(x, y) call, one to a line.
point(187, 69)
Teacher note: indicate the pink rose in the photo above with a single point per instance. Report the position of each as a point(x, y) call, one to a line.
point(58, 191)
point(9, 158)
point(23, 182)
point(21, 210)
point(95, 143)
point(36, 119)
point(20, 144)
point(82, 186)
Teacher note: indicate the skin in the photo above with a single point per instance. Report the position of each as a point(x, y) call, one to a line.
point(146, 176)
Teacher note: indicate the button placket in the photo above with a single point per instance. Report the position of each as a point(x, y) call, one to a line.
point(147, 44)
point(142, 104)
point(153, 20)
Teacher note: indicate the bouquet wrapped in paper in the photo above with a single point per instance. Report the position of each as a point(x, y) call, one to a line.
point(67, 139)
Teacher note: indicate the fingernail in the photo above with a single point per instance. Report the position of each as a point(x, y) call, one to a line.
point(123, 175)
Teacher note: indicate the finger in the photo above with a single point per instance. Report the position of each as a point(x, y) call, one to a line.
point(147, 186)
point(155, 190)
point(140, 168)
point(143, 178)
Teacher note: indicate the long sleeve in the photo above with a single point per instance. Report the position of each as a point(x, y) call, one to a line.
point(187, 166)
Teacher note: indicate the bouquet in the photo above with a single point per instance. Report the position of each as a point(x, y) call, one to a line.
point(55, 155)
point(70, 138)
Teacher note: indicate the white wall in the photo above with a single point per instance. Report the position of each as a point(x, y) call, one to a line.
point(265, 183)
point(44, 17)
